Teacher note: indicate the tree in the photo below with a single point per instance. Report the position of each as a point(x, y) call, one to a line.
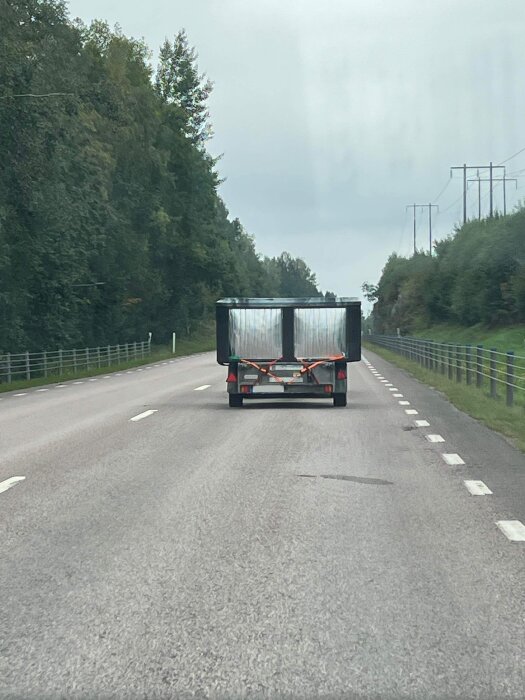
point(178, 82)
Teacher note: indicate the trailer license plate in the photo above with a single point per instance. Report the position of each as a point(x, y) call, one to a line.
point(265, 389)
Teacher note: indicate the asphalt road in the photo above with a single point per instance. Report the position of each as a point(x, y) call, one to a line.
point(287, 550)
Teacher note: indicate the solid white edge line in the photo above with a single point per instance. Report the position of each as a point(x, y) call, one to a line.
point(477, 488)
point(452, 459)
point(4, 485)
point(514, 530)
point(201, 388)
point(435, 438)
point(140, 416)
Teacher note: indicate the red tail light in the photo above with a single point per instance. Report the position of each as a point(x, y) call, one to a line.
point(327, 388)
point(245, 388)
point(341, 374)
point(232, 377)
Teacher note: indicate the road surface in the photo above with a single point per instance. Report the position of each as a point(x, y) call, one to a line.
point(163, 545)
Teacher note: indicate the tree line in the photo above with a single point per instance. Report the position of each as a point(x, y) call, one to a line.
point(476, 275)
point(111, 224)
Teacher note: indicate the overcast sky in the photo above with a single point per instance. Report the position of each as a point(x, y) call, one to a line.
point(333, 116)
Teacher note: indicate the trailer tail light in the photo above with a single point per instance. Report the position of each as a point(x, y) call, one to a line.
point(327, 388)
point(245, 388)
point(341, 374)
point(232, 377)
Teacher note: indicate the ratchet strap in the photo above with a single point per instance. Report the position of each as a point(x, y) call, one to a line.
point(305, 368)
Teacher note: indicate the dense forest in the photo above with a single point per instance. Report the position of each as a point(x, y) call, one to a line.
point(477, 275)
point(111, 224)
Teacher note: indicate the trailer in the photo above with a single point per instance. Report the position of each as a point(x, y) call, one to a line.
point(288, 348)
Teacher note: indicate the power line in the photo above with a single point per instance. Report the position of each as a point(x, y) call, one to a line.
point(447, 183)
point(47, 94)
point(512, 156)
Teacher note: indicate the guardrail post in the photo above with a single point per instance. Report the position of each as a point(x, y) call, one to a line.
point(134, 349)
point(479, 366)
point(60, 363)
point(458, 363)
point(118, 353)
point(127, 352)
point(87, 358)
point(142, 349)
point(450, 363)
point(492, 373)
point(28, 366)
point(8, 369)
point(510, 378)
point(109, 355)
point(74, 360)
point(45, 363)
point(468, 364)
point(98, 355)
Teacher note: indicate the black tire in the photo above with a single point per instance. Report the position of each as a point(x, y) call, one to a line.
point(340, 400)
point(235, 400)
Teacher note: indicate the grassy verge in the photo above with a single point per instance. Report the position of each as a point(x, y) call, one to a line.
point(476, 402)
point(200, 342)
point(503, 339)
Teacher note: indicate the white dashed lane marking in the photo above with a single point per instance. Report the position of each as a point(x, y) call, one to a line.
point(411, 411)
point(452, 459)
point(397, 396)
point(12, 481)
point(435, 438)
point(201, 388)
point(144, 415)
point(514, 530)
point(23, 394)
point(477, 488)
point(421, 423)
point(404, 403)
point(42, 389)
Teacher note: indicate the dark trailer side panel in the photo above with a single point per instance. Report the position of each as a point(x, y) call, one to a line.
point(285, 326)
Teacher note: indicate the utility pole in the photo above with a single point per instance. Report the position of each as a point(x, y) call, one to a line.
point(504, 180)
point(430, 206)
point(414, 208)
point(490, 167)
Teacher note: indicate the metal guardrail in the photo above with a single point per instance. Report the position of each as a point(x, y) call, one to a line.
point(57, 363)
point(500, 372)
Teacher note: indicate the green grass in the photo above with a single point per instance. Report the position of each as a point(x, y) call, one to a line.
point(503, 339)
point(476, 402)
point(201, 341)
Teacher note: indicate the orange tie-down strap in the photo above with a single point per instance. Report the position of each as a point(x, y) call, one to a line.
point(306, 367)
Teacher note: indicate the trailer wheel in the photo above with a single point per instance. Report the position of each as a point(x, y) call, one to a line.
point(235, 400)
point(340, 400)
